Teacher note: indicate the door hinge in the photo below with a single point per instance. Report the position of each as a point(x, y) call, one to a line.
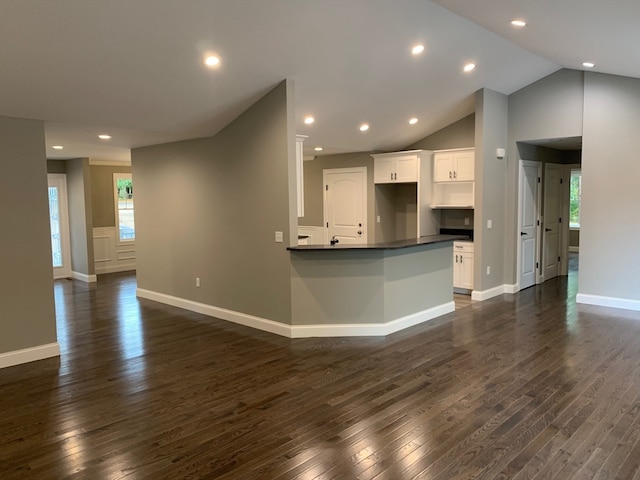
point(560, 181)
point(538, 179)
point(326, 187)
point(560, 220)
point(538, 222)
point(537, 266)
point(327, 224)
point(558, 258)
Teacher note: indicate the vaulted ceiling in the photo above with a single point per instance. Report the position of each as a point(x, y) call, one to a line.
point(134, 68)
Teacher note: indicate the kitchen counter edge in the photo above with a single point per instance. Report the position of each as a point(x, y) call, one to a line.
point(414, 242)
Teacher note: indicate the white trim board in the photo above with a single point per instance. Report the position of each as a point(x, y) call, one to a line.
point(300, 331)
point(84, 277)
point(26, 355)
point(487, 294)
point(613, 302)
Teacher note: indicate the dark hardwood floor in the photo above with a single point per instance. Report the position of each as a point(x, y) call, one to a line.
point(526, 386)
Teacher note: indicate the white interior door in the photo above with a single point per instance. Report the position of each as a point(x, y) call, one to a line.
point(345, 204)
point(552, 220)
point(59, 221)
point(528, 222)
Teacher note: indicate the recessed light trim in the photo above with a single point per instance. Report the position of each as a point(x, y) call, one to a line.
point(309, 120)
point(518, 23)
point(318, 149)
point(588, 64)
point(212, 61)
point(57, 147)
point(417, 49)
point(413, 121)
point(364, 127)
point(104, 136)
point(469, 67)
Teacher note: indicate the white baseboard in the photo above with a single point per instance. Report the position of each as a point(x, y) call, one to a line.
point(487, 294)
point(17, 357)
point(115, 268)
point(613, 302)
point(371, 329)
point(513, 288)
point(574, 249)
point(217, 312)
point(84, 277)
point(299, 331)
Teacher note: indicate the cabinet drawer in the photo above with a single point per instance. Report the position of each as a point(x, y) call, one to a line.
point(463, 247)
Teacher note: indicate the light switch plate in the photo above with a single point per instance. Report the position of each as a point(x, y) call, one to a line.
point(279, 238)
point(489, 224)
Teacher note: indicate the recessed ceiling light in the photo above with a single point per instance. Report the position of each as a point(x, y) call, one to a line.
point(212, 61)
point(588, 64)
point(104, 136)
point(364, 127)
point(318, 149)
point(413, 121)
point(518, 23)
point(417, 49)
point(469, 66)
point(309, 120)
point(57, 147)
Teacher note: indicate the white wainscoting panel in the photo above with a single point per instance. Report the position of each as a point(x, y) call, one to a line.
point(109, 256)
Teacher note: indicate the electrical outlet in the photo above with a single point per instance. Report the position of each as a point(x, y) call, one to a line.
point(197, 281)
point(279, 238)
point(489, 224)
point(488, 270)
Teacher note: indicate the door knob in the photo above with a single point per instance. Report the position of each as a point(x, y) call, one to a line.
point(547, 229)
point(359, 232)
point(522, 234)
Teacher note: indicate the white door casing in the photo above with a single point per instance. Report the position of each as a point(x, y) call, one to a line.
point(553, 205)
point(345, 204)
point(59, 225)
point(528, 222)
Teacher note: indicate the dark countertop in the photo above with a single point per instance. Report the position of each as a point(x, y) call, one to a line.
point(414, 242)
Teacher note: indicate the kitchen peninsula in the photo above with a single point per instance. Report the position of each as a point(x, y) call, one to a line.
point(370, 289)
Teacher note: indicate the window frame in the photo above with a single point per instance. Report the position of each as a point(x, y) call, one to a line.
point(116, 177)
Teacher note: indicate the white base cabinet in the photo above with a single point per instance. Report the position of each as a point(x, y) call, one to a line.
point(463, 266)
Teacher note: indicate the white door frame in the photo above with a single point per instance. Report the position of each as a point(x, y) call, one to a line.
point(560, 246)
point(60, 181)
point(365, 213)
point(538, 165)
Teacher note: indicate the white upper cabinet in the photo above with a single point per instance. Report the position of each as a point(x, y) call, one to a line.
point(398, 167)
point(454, 165)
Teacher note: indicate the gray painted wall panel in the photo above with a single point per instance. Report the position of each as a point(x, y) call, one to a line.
point(209, 208)
point(80, 221)
point(103, 211)
point(27, 317)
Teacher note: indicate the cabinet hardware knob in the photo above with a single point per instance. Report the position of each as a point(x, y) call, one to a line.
point(391, 176)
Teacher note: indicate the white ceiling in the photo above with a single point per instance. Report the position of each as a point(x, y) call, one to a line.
point(133, 68)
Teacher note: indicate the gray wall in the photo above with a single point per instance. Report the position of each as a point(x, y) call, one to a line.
point(460, 134)
point(27, 317)
point(80, 221)
point(492, 111)
point(103, 211)
point(548, 108)
point(56, 166)
point(209, 208)
point(610, 208)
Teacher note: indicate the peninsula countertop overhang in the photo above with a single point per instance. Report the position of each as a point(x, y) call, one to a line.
point(395, 245)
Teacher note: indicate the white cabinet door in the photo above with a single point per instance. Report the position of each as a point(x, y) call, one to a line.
point(383, 170)
point(406, 169)
point(464, 167)
point(463, 257)
point(443, 167)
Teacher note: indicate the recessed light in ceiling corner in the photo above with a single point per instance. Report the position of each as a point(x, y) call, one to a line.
point(588, 64)
point(417, 49)
point(318, 149)
point(309, 119)
point(413, 121)
point(364, 127)
point(104, 136)
point(518, 23)
point(469, 67)
point(212, 61)
point(57, 147)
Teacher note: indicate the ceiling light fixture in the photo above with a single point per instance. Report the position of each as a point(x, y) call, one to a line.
point(588, 64)
point(413, 121)
point(318, 149)
point(469, 67)
point(417, 50)
point(518, 23)
point(309, 120)
point(57, 147)
point(212, 61)
point(364, 127)
point(104, 136)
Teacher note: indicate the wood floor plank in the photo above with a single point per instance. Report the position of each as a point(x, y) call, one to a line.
point(525, 386)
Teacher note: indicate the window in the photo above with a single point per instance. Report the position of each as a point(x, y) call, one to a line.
point(574, 199)
point(123, 191)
